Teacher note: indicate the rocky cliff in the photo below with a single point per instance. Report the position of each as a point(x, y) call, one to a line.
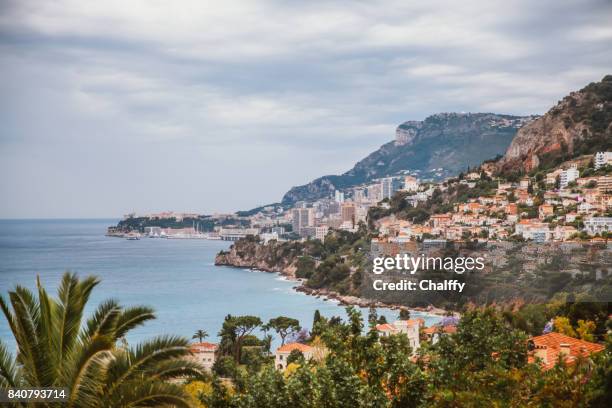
point(581, 123)
point(440, 146)
point(249, 253)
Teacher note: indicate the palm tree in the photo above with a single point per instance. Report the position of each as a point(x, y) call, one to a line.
point(200, 335)
point(56, 350)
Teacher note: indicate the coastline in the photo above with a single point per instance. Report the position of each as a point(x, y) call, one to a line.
point(345, 300)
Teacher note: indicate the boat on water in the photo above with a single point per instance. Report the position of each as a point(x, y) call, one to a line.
point(132, 236)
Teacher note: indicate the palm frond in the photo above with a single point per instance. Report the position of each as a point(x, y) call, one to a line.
point(177, 368)
point(45, 324)
point(145, 393)
point(26, 314)
point(84, 369)
point(8, 369)
point(104, 320)
point(8, 314)
point(131, 318)
point(73, 295)
point(144, 357)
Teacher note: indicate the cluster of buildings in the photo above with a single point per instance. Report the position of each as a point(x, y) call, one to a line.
point(345, 210)
point(567, 207)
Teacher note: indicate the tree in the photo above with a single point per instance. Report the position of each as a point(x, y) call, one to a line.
point(562, 325)
point(57, 350)
point(200, 335)
point(284, 326)
point(235, 329)
point(296, 356)
point(316, 318)
point(585, 329)
point(404, 314)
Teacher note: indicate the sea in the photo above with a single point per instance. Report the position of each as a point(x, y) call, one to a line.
point(176, 277)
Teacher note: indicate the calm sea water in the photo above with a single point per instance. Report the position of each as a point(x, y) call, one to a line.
point(175, 277)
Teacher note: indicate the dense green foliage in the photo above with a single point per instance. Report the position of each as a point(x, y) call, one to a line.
point(483, 364)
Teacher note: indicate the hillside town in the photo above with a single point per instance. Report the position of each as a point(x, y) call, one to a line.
point(567, 203)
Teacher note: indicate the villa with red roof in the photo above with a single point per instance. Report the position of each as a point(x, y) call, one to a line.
point(549, 348)
point(433, 333)
point(204, 353)
point(409, 327)
point(282, 353)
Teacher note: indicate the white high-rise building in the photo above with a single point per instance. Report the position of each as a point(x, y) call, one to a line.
point(602, 158)
point(339, 196)
point(567, 176)
point(374, 192)
point(388, 186)
point(359, 195)
point(302, 217)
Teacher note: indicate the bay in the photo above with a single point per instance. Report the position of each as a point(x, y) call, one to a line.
point(177, 278)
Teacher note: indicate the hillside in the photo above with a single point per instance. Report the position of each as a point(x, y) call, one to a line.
point(581, 123)
point(440, 146)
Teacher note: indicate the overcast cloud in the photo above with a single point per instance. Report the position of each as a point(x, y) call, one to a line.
point(108, 107)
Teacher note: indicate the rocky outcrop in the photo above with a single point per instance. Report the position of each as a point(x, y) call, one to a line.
point(440, 146)
point(252, 255)
point(580, 123)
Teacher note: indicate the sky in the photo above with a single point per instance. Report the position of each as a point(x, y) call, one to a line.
point(109, 107)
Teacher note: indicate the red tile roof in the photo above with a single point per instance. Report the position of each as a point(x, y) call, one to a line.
point(385, 327)
point(448, 329)
point(289, 347)
point(420, 322)
point(549, 346)
point(202, 347)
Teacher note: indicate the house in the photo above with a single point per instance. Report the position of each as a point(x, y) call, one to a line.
point(440, 220)
point(433, 333)
point(545, 210)
point(204, 353)
point(549, 348)
point(585, 208)
point(386, 329)
point(473, 176)
point(564, 232)
point(524, 183)
point(282, 353)
point(411, 183)
point(512, 209)
point(571, 217)
point(410, 328)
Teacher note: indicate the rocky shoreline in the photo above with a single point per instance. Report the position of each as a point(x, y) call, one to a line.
point(288, 271)
point(363, 302)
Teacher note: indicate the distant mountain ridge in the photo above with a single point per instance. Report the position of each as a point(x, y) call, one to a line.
point(581, 123)
point(442, 145)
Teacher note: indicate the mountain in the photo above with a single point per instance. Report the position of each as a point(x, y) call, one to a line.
point(442, 145)
point(581, 123)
